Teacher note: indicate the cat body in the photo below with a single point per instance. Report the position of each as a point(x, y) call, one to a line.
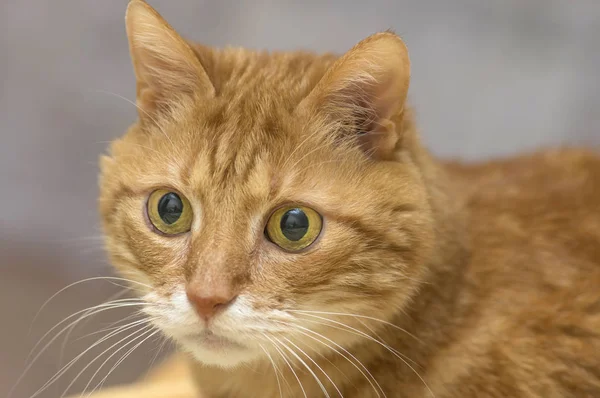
point(414, 277)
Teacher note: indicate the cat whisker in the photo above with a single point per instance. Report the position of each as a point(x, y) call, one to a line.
point(147, 332)
point(316, 364)
point(323, 357)
point(289, 387)
point(371, 379)
point(314, 375)
point(361, 317)
point(393, 351)
point(357, 332)
point(275, 369)
point(288, 363)
point(96, 278)
point(82, 323)
point(96, 309)
point(112, 326)
point(364, 324)
point(158, 351)
point(87, 312)
point(138, 334)
point(65, 368)
point(111, 300)
point(123, 358)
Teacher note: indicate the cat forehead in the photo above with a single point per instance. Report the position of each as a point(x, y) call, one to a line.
point(256, 94)
point(230, 133)
point(281, 77)
point(222, 147)
point(246, 133)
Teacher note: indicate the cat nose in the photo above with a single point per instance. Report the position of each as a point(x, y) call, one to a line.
point(207, 303)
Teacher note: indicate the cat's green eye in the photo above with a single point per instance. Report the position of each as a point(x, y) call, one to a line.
point(294, 228)
point(169, 212)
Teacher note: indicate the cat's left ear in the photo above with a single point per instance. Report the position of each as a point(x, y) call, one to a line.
point(166, 67)
point(364, 92)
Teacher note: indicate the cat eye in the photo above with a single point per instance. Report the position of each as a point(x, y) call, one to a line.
point(169, 212)
point(294, 228)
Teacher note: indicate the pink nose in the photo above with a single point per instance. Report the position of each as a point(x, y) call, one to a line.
point(207, 305)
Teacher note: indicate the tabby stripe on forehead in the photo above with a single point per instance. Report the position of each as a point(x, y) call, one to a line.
point(227, 171)
point(247, 150)
point(185, 172)
point(224, 144)
point(212, 157)
point(251, 165)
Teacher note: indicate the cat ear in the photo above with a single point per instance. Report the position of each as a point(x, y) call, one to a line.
point(166, 67)
point(364, 92)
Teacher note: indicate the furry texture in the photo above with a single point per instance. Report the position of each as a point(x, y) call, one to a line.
point(429, 278)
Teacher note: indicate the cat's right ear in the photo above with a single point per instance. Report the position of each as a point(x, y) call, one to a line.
point(364, 92)
point(166, 68)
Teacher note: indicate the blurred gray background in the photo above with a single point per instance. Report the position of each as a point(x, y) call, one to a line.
point(490, 78)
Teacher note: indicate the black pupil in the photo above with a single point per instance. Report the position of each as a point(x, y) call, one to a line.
point(170, 208)
point(294, 224)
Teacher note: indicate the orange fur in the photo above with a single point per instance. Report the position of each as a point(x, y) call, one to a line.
point(485, 279)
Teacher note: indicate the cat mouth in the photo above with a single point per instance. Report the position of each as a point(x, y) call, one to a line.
point(214, 342)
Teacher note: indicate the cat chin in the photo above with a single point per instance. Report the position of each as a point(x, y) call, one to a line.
point(222, 357)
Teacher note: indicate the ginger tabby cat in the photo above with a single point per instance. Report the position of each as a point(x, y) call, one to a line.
point(284, 225)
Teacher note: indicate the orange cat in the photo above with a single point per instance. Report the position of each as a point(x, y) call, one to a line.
point(286, 228)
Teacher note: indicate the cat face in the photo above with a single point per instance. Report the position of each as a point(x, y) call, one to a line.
point(262, 200)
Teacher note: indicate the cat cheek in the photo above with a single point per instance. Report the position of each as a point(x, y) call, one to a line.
point(138, 280)
point(172, 312)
